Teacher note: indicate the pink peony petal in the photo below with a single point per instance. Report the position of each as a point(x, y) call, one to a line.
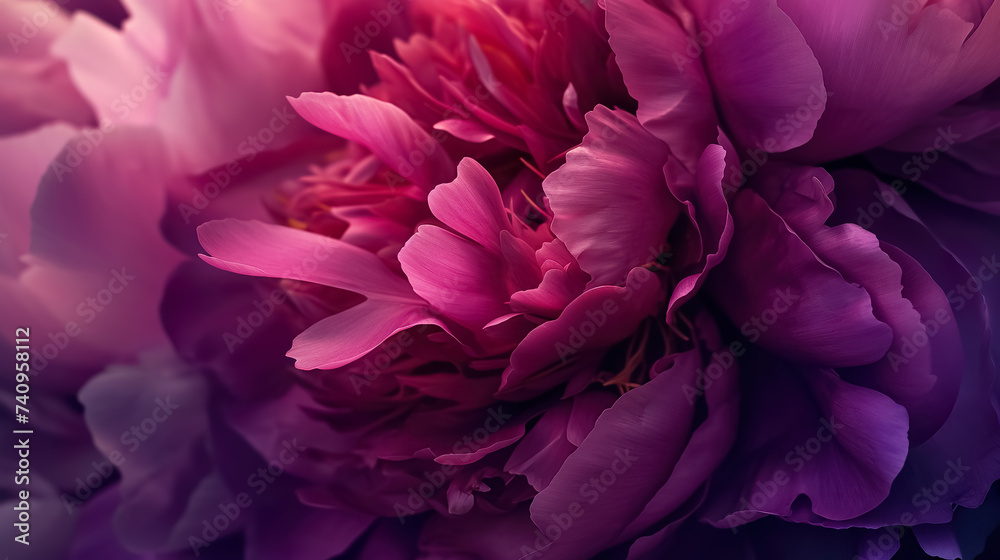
point(385, 129)
point(612, 208)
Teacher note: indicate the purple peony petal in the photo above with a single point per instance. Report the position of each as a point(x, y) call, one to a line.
point(804, 428)
point(824, 319)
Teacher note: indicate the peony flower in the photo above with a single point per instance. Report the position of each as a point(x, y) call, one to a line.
point(507, 314)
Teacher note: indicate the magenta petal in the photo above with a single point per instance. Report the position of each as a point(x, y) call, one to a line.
point(258, 249)
point(385, 129)
point(456, 276)
point(95, 536)
point(710, 441)
point(949, 178)
point(465, 130)
point(471, 205)
point(506, 436)
point(343, 338)
point(38, 91)
point(587, 408)
point(612, 208)
point(935, 50)
point(675, 100)
point(556, 290)
point(758, 70)
point(539, 456)
point(520, 265)
point(560, 342)
point(640, 438)
point(764, 75)
point(705, 201)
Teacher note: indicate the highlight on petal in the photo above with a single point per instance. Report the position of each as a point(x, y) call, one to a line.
point(259, 249)
point(343, 338)
point(384, 129)
point(471, 205)
point(612, 208)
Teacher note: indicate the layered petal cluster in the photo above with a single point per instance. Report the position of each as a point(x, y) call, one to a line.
point(459, 346)
point(518, 75)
